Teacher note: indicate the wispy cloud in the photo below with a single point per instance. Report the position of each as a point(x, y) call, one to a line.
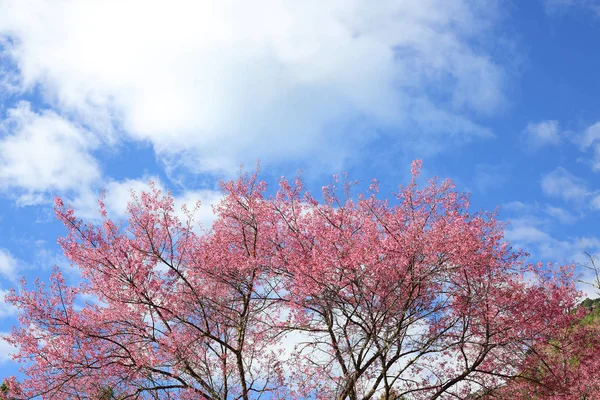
point(558, 7)
point(533, 227)
point(590, 136)
point(588, 140)
point(5, 349)
point(532, 233)
point(543, 133)
point(541, 212)
point(6, 309)
point(560, 183)
point(8, 265)
point(560, 214)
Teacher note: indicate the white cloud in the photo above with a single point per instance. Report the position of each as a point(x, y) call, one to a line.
point(590, 139)
point(538, 134)
point(541, 212)
point(516, 206)
point(43, 151)
point(533, 235)
point(595, 161)
point(118, 194)
point(6, 309)
point(525, 233)
point(5, 348)
point(212, 84)
point(204, 214)
point(590, 136)
point(8, 265)
point(562, 184)
point(596, 202)
point(8, 270)
point(560, 214)
point(532, 226)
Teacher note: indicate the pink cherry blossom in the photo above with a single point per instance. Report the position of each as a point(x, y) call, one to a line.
point(286, 297)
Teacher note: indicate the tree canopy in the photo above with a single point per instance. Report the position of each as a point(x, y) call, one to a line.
point(288, 297)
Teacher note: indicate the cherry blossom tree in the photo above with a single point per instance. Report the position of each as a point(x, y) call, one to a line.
point(10, 389)
point(566, 367)
point(412, 297)
point(419, 298)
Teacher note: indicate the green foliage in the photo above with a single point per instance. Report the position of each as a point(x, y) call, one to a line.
point(594, 316)
point(591, 304)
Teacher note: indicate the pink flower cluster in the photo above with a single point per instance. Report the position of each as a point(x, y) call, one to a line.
point(288, 297)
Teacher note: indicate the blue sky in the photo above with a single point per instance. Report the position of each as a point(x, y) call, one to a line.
point(500, 96)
